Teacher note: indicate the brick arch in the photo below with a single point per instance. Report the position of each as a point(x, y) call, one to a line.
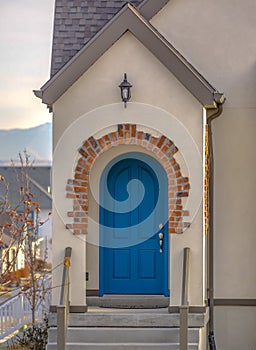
point(128, 134)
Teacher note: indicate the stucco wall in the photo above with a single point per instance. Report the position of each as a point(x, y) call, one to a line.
point(99, 87)
point(175, 114)
point(218, 38)
point(235, 328)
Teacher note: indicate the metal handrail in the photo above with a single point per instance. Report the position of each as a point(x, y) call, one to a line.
point(63, 307)
point(184, 308)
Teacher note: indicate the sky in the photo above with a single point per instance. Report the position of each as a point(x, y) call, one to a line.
point(25, 49)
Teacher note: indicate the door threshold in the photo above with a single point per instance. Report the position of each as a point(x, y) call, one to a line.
point(124, 301)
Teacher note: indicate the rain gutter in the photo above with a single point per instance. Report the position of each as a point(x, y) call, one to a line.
point(209, 120)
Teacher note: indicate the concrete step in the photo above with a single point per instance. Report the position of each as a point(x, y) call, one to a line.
point(108, 335)
point(122, 346)
point(129, 301)
point(126, 329)
point(101, 317)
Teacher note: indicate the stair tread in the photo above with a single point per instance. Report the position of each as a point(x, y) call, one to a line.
point(123, 345)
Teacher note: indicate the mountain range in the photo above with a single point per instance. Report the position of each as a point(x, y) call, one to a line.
point(37, 141)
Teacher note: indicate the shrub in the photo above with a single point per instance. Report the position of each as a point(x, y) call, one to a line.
point(33, 337)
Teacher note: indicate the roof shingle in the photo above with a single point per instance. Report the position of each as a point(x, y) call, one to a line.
point(76, 22)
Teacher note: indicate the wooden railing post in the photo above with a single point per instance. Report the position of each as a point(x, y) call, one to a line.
point(63, 308)
point(61, 327)
point(184, 308)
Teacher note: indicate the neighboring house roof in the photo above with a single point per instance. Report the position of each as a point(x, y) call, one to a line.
point(39, 183)
point(129, 18)
point(76, 22)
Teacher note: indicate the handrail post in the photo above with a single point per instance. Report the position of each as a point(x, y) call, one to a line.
point(61, 327)
point(185, 277)
point(184, 327)
point(63, 308)
point(184, 308)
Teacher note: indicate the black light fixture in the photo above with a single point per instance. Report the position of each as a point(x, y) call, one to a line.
point(125, 87)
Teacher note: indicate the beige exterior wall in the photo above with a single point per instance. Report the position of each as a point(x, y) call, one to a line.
point(92, 107)
point(99, 87)
point(218, 38)
point(235, 328)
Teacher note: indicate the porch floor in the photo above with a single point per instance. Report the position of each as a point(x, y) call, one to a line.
point(129, 301)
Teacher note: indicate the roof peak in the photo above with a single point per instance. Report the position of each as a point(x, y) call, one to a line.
point(77, 21)
point(129, 18)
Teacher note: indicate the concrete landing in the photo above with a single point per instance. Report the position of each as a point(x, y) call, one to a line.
point(129, 301)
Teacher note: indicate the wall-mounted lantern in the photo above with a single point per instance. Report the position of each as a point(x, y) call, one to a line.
point(125, 87)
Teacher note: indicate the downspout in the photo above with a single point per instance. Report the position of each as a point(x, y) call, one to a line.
point(211, 226)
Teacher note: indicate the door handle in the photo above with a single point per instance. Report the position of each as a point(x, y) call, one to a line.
point(161, 236)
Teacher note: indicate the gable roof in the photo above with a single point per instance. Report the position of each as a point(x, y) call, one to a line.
point(76, 22)
point(129, 18)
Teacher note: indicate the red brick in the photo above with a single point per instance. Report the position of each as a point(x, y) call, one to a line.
point(113, 135)
point(153, 140)
point(92, 153)
point(80, 214)
point(81, 176)
point(79, 189)
point(161, 141)
point(133, 130)
point(120, 130)
point(93, 142)
point(83, 163)
point(106, 139)
point(173, 151)
point(171, 230)
point(71, 195)
point(83, 153)
point(101, 143)
point(86, 144)
point(90, 160)
point(182, 194)
point(84, 219)
point(176, 213)
point(78, 226)
point(78, 169)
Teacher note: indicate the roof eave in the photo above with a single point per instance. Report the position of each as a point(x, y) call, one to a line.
point(149, 8)
point(129, 18)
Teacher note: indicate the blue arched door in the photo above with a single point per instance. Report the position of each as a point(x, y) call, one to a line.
point(133, 211)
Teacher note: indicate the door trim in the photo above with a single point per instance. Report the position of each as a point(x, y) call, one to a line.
point(160, 171)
